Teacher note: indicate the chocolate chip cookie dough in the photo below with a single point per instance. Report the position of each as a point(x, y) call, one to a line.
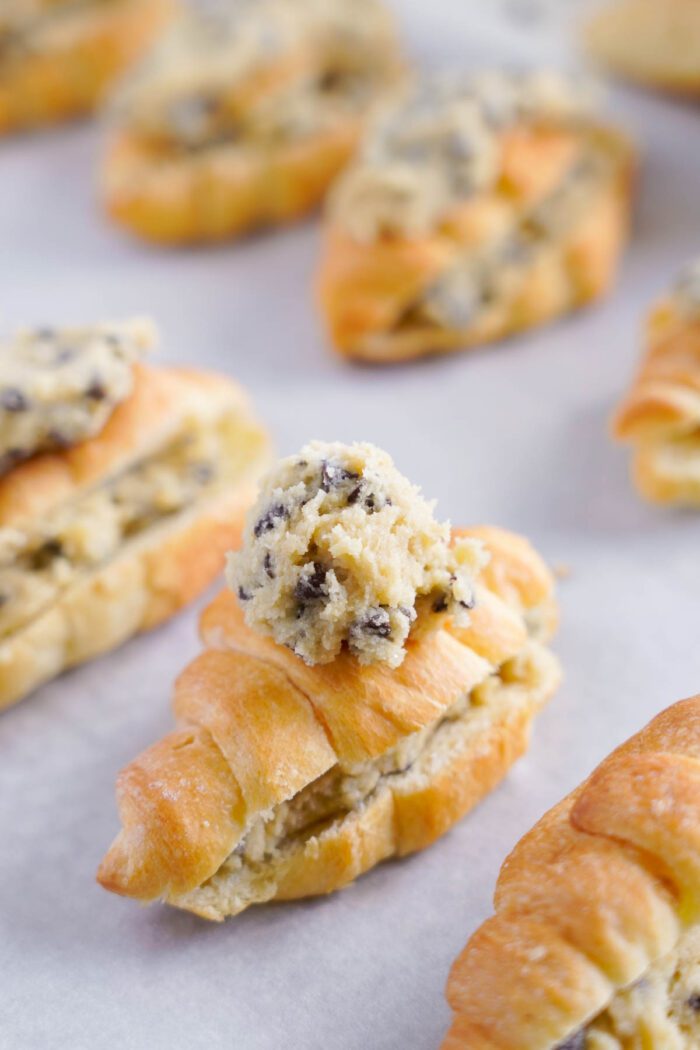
point(60, 386)
point(341, 550)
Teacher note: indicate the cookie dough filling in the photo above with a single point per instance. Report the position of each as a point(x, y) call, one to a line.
point(244, 74)
point(38, 562)
point(341, 550)
point(661, 1010)
point(276, 838)
point(438, 141)
point(24, 24)
point(60, 386)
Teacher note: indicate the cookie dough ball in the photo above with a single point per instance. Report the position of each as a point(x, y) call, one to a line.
point(60, 386)
point(341, 549)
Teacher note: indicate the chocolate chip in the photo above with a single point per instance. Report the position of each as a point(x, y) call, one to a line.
point(269, 520)
point(11, 458)
point(48, 552)
point(370, 503)
point(311, 585)
point(354, 495)
point(440, 604)
point(574, 1042)
point(268, 565)
point(468, 605)
point(693, 1002)
point(13, 400)
point(333, 475)
point(97, 391)
point(202, 472)
point(410, 614)
point(244, 595)
point(58, 440)
point(376, 621)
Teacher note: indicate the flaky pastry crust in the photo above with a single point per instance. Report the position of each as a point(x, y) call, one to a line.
point(158, 571)
point(68, 76)
point(602, 888)
point(660, 416)
point(257, 727)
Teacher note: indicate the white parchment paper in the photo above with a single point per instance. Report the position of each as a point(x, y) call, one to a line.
point(515, 435)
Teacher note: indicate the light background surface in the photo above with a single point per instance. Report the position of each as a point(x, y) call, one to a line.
point(515, 435)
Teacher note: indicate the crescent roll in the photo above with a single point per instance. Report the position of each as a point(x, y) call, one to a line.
point(109, 533)
point(243, 114)
point(478, 206)
point(58, 57)
point(660, 416)
point(595, 941)
point(654, 42)
point(284, 780)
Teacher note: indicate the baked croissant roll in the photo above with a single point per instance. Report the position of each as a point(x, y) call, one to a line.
point(654, 42)
point(121, 487)
point(243, 114)
point(285, 780)
point(478, 206)
point(660, 416)
point(58, 57)
point(595, 943)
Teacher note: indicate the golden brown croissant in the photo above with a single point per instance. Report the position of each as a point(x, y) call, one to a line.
point(243, 118)
point(58, 58)
point(660, 416)
point(595, 941)
point(477, 208)
point(116, 533)
point(655, 42)
point(285, 780)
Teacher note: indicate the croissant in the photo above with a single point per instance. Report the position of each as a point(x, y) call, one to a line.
point(652, 42)
point(57, 58)
point(115, 533)
point(284, 780)
point(660, 416)
point(478, 207)
point(595, 941)
point(242, 118)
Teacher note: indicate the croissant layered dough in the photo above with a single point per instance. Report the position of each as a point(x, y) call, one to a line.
point(58, 57)
point(285, 780)
point(595, 943)
point(111, 536)
point(660, 417)
point(535, 234)
point(654, 43)
point(244, 117)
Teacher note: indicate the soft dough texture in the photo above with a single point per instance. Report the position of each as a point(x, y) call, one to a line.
point(341, 549)
point(660, 416)
point(595, 943)
point(60, 386)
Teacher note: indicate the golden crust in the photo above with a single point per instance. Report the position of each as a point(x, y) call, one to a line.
point(154, 575)
point(223, 193)
point(162, 400)
point(597, 892)
point(71, 75)
point(280, 725)
point(365, 289)
point(652, 43)
point(660, 416)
